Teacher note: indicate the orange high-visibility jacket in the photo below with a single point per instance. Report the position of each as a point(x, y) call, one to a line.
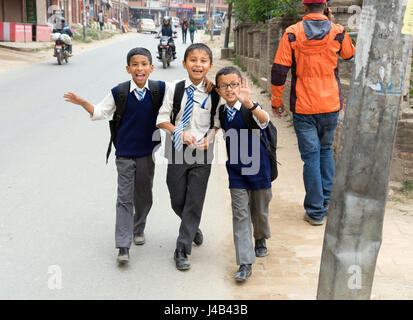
point(311, 48)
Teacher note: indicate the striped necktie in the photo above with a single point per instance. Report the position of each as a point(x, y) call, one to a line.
point(231, 114)
point(177, 136)
point(141, 93)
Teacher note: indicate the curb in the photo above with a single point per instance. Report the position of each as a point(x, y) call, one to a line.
point(24, 49)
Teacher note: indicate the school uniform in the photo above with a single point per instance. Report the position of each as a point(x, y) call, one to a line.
point(134, 162)
point(188, 170)
point(250, 191)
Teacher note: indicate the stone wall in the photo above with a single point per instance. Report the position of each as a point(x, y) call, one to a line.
point(256, 45)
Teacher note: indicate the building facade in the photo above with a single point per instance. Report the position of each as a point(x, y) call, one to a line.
point(156, 9)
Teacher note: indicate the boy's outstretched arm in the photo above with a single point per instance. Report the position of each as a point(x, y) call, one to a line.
point(100, 111)
point(75, 99)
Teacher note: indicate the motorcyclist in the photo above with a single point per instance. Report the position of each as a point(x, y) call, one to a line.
point(61, 27)
point(166, 30)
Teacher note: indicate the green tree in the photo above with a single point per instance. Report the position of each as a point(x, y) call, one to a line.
point(240, 9)
point(262, 10)
point(286, 8)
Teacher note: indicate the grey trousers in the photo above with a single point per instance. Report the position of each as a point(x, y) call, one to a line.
point(135, 181)
point(249, 208)
point(187, 184)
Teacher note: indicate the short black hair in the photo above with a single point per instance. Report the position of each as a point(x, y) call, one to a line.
point(225, 71)
point(198, 46)
point(315, 7)
point(141, 52)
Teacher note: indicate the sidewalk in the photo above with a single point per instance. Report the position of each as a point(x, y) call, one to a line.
point(33, 46)
point(290, 271)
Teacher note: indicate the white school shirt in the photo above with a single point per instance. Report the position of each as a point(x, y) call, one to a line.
point(237, 106)
point(105, 108)
point(200, 121)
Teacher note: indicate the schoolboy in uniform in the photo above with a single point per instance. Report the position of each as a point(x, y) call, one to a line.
point(250, 191)
point(134, 145)
point(186, 116)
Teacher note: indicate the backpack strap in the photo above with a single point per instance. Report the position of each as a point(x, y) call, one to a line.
point(157, 89)
point(214, 102)
point(221, 114)
point(178, 95)
point(122, 92)
point(249, 121)
point(251, 124)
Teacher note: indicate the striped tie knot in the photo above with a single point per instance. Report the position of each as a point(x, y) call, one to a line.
point(140, 93)
point(230, 114)
point(191, 88)
point(190, 92)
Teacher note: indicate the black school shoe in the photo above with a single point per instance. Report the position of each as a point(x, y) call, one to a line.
point(260, 248)
point(181, 260)
point(243, 273)
point(139, 239)
point(123, 256)
point(199, 238)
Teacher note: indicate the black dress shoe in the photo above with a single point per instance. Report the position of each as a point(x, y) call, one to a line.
point(123, 256)
point(181, 260)
point(199, 238)
point(243, 273)
point(260, 248)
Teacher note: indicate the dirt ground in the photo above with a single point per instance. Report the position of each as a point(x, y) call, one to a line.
point(290, 271)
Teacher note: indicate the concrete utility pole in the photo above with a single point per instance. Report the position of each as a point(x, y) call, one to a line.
point(353, 233)
point(228, 31)
point(212, 20)
point(84, 19)
point(119, 15)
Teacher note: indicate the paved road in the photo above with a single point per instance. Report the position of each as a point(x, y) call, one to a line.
point(57, 195)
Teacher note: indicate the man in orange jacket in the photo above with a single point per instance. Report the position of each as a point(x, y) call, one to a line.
point(311, 49)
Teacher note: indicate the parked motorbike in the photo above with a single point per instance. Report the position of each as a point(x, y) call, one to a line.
point(165, 50)
point(61, 47)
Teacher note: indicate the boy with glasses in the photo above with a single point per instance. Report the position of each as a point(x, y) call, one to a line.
point(250, 185)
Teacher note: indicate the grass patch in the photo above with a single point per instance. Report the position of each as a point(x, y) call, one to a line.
point(238, 63)
point(395, 199)
point(407, 188)
point(254, 79)
point(91, 34)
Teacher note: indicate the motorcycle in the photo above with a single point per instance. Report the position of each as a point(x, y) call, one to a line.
point(61, 47)
point(165, 50)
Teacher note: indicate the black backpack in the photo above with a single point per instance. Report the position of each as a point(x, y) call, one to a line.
point(179, 94)
point(157, 89)
point(270, 130)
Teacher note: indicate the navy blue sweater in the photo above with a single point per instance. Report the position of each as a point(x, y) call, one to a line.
point(262, 178)
point(134, 138)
